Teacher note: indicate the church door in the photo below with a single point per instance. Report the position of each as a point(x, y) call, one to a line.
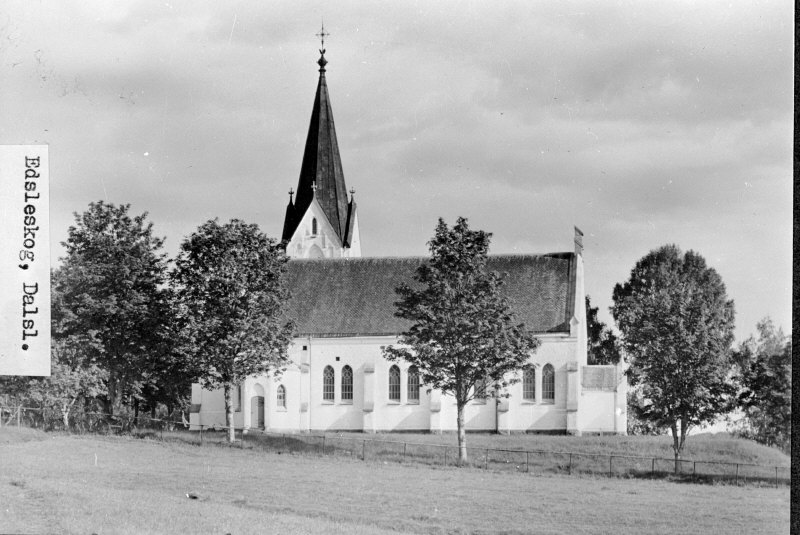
point(257, 411)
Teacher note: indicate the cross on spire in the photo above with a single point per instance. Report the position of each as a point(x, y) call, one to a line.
point(291, 193)
point(322, 35)
point(314, 187)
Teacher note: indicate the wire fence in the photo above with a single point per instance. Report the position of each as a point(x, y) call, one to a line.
point(536, 462)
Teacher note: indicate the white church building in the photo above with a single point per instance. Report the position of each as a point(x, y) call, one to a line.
point(343, 306)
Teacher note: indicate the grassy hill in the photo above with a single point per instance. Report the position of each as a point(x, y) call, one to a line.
point(70, 484)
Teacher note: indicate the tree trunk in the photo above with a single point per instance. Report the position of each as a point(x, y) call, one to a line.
point(462, 436)
point(229, 413)
point(676, 446)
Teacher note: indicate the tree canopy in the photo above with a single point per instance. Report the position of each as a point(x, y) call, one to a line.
point(677, 326)
point(110, 305)
point(463, 338)
point(602, 343)
point(765, 397)
point(231, 296)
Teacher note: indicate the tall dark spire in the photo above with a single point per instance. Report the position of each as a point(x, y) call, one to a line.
point(321, 165)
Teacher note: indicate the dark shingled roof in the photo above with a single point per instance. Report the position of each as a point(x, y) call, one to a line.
point(355, 296)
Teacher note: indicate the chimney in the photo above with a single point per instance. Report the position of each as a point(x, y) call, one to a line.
point(578, 241)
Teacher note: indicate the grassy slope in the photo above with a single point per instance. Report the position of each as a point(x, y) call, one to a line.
point(719, 447)
point(50, 483)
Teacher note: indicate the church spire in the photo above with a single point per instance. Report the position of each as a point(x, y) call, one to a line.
point(322, 164)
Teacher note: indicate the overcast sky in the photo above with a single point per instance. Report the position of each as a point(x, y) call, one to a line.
point(643, 123)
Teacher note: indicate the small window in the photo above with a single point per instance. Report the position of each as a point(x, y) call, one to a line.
point(394, 383)
point(413, 385)
point(481, 386)
point(548, 384)
point(347, 384)
point(327, 384)
point(314, 226)
point(529, 384)
point(281, 397)
point(237, 399)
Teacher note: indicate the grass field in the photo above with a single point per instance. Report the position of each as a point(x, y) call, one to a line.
point(63, 484)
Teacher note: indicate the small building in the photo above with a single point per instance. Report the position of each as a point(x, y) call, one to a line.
point(343, 305)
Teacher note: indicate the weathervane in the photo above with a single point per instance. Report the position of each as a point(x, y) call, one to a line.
point(322, 35)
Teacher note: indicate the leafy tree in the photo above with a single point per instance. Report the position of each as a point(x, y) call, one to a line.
point(602, 343)
point(766, 380)
point(113, 307)
point(231, 298)
point(463, 339)
point(677, 328)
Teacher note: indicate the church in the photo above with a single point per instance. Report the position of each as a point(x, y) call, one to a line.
point(343, 306)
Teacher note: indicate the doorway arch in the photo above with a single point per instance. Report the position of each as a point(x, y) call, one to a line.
point(257, 408)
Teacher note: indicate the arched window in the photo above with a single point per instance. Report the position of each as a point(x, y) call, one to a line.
point(327, 384)
point(481, 385)
point(347, 384)
point(394, 383)
point(548, 384)
point(413, 385)
point(314, 226)
point(281, 397)
point(529, 384)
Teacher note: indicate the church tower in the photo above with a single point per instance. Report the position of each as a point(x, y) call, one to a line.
point(321, 222)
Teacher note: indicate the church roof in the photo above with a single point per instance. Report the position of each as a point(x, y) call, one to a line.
point(321, 168)
point(355, 296)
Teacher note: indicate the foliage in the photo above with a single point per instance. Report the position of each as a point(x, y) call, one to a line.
point(637, 423)
point(602, 343)
point(677, 328)
point(766, 386)
point(463, 333)
point(231, 297)
point(111, 308)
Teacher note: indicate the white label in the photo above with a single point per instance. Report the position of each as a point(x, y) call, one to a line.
point(24, 260)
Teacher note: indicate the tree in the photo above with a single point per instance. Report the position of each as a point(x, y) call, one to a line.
point(113, 308)
point(677, 328)
point(766, 386)
point(463, 339)
point(231, 299)
point(602, 344)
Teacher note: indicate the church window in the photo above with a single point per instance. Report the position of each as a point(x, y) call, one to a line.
point(281, 397)
point(529, 384)
point(327, 384)
point(413, 385)
point(314, 226)
point(394, 383)
point(347, 384)
point(548, 384)
point(237, 399)
point(481, 385)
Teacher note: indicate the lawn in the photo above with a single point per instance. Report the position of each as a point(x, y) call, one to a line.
point(69, 484)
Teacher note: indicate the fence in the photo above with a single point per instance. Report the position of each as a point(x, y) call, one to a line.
point(537, 462)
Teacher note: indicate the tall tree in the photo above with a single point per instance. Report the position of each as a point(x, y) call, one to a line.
point(602, 344)
point(766, 386)
point(231, 299)
point(463, 338)
point(113, 307)
point(677, 328)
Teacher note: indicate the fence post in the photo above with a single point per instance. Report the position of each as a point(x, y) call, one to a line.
point(527, 467)
point(323, 444)
point(694, 469)
point(653, 467)
point(569, 469)
point(19, 410)
point(737, 474)
point(201, 434)
point(404, 451)
point(610, 467)
point(284, 441)
point(162, 431)
point(776, 477)
point(486, 460)
point(364, 451)
point(445, 455)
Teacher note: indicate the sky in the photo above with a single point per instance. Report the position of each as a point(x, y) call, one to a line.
point(642, 123)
